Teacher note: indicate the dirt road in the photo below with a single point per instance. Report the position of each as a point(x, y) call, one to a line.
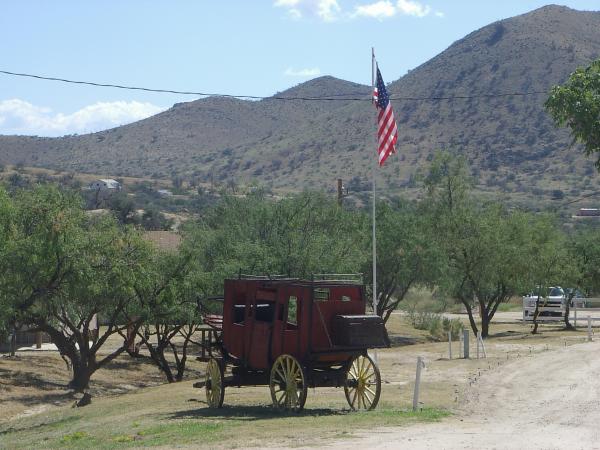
point(547, 401)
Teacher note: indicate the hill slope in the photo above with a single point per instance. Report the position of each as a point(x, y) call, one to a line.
point(510, 140)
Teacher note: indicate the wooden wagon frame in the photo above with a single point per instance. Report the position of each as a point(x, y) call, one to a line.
point(291, 334)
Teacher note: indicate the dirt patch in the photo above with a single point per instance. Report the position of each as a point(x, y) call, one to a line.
point(34, 382)
point(550, 400)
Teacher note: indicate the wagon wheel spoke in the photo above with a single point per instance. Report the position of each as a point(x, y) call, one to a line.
point(354, 397)
point(363, 383)
point(288, 383)
point(214, 384)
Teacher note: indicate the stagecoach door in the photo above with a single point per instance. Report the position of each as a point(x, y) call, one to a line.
point(286, 330)
point(260, 328)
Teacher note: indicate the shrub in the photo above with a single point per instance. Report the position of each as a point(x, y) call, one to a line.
point(437, 325)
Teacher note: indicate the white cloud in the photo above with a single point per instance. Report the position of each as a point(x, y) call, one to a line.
point(378, 10)
point(21, 117)
point(312, 72)
point(439, 14)
point(385, 9)
point(412, 8)
point(326, 10)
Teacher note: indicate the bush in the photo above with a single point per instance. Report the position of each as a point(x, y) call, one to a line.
point(437, 325)
point(455, 326)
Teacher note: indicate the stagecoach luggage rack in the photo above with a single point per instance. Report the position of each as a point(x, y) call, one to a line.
point(331, 277)
point(366, 331)
point(338, 277)
point(247, 276)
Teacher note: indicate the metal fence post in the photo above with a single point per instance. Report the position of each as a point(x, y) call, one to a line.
point(589, 328)
point(466, 344)
point(450, 344)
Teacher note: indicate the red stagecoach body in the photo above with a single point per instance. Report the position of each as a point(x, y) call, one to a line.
point(319, 325)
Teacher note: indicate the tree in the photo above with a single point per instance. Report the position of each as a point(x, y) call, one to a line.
point(296, 236)
point(547, 247)
point(584, 265)
point(576, 104)
point(405, 256)
point(168, 295)
point(482, 245)
point(62, 269)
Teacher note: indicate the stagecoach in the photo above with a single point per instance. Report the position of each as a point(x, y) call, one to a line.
point(292, 334)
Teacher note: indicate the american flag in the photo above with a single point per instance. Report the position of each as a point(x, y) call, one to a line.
point(387, 132)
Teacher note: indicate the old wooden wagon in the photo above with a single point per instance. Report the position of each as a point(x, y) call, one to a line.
point(291, 334)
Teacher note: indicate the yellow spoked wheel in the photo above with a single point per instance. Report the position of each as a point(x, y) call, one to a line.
point(215, 386)
point(288, 383)
point(363, 383)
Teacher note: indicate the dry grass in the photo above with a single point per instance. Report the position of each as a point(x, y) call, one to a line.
point(168, 415)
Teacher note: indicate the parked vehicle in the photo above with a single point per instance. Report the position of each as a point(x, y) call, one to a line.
point(291, 334)
point(552, 303)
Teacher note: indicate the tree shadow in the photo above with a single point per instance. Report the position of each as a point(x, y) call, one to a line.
point(56, 398)
point(18, 378)
point(250, 413)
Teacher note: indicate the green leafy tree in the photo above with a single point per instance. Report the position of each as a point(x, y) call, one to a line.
point(61, 270)
point(168, 294)
point(550, 262)
point(405, 256)
point(583, 265)
point(296, 236)
point(576, 104)
point(482, 245)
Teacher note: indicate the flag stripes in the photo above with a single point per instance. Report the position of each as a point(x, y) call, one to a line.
point(387, 132)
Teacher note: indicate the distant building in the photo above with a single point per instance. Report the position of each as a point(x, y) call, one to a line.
point(164, 193)
point(589, 212)
point(107, 184)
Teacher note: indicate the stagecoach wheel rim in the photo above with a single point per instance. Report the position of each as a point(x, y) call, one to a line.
point(362, 385)
point(288, 384)
point(215, 386)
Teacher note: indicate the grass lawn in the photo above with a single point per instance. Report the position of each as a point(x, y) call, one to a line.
point(128, 411)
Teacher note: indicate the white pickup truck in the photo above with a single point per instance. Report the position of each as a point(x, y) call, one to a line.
point(552, 302)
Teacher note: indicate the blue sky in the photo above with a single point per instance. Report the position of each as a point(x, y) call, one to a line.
point(247, 47)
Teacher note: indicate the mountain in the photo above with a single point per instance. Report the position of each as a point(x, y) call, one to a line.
point(510, 141)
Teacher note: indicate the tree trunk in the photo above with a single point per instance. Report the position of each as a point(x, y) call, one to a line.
point(81, 376)
point(568, 325)
point(471, 318)
point(13, 342)
point(485, 325)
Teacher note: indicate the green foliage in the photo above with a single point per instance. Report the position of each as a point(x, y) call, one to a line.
point(60, 268)
point(296, 236)
point(576, 104)
point(437, 325)
point(584, 260)
point(405, 256)
point(488, 250)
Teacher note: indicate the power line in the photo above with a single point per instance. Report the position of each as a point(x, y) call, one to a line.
point(331, 97)
point(583, 197)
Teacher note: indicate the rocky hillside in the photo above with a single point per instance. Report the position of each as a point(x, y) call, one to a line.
point(510, 141)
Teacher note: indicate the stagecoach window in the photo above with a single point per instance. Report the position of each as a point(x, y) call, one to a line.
point(345, 298)
point(265, 312)
point(292, 313)
point(238, 313)
point(321, 294)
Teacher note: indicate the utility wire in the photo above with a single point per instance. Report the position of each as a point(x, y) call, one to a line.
point(583, 197)
point(332, 97)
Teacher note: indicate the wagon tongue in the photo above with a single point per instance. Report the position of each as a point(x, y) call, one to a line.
point(365, 331)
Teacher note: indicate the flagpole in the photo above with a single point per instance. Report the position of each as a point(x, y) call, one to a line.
point(375, 161)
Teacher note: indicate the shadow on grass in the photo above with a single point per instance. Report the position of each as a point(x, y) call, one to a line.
point(19, 378)
point(249, 413)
